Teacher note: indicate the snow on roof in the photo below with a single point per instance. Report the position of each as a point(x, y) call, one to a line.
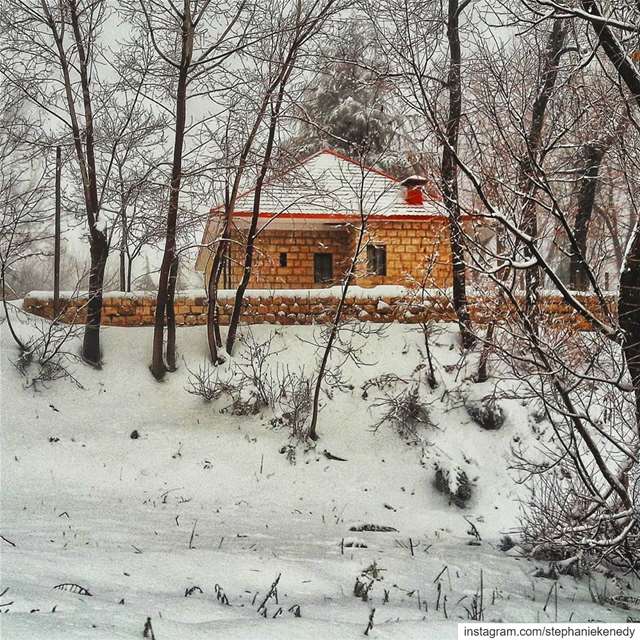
point(328, 184)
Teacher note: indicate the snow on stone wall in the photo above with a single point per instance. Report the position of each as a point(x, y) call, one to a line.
point(385, 303)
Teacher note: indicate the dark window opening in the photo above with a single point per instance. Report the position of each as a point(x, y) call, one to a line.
point(283, 259)
point(377, 259)
point(322, 267)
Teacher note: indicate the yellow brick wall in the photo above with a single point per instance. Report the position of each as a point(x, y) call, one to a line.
point(415, 250)
point(299, 246)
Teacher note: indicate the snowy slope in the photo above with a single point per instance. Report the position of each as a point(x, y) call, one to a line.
point(205, 499)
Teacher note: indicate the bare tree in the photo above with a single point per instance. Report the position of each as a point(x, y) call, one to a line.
point(366, 206)
point(190, 43)
point(54, 55)
point(23, 211)
point(449, 172)
point(293, 31)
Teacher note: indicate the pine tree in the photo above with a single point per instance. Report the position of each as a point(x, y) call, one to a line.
point(349, 109)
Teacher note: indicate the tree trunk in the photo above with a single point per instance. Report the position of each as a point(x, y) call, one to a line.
point(251, 237)
point(57, 234)
point(123, 244)
point(7, 315)
point(450, 178)
point(171, 317)
point(164, 298)
point(276, 106)
point(99, 251)
point(244, 282)
point(529, 168)
point(129, 270)
point(335, 327)
point(213, 326)
point(585, 199)
point(629, 315)
point(221, 261)
point(629, 297)
point(122, 272)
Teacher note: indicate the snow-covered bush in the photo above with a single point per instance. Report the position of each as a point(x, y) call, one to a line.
point(486, 412)
point(49, 354)
point(251, 384)
point(453, 482)
point(248, 382)
point(294, 402)
point(404, 410)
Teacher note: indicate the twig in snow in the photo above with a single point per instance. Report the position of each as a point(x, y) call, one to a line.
point(329, 456)
point(13, 544)
point(193, 531)
point(473, 531)
point(273, 592)
point(148, 630)
point(72, 587)
point(445, 568)
point(221, 596)
point(370, 623)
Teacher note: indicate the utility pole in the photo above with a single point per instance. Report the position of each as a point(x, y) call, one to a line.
point(56, 245)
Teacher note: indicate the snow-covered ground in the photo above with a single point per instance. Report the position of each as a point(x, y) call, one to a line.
point(204, 499)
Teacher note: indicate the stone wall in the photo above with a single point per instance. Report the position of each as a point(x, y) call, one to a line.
point(378, 304)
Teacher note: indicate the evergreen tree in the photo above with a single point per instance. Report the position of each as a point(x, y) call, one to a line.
point(349, 109)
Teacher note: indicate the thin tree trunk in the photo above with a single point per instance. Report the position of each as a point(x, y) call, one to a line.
point(19, 342)
point(335, 326)
point(99, 251)
point(280, 84)
point(221, 258)
point(171, 318)
point(222, 249)
point(450, 177)
point(483, 373)
point(99, 245)
point(129, 269)
point(629, 297)
point(56, 234)
point(124, 232)
point(585, 199)
point(246, 272)
point(251, 237)
point(529, 168)
point(164, 298)
point(629, 315)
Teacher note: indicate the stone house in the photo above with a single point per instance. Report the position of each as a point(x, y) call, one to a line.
point(309, 221)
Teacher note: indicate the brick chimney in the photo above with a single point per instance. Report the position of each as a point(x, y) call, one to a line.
point(412, 191)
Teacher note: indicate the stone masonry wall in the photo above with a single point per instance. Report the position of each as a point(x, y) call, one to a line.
point(379, 304)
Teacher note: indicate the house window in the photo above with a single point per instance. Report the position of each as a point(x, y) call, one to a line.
point(377, 259)
point(322, 267)
point(283, 259)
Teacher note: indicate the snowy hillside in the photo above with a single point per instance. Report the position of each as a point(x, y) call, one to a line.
point(191, 523)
